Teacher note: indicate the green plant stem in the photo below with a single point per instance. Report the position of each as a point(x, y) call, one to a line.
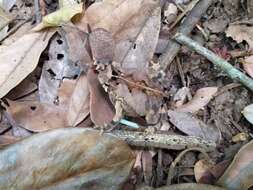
point(232, 72)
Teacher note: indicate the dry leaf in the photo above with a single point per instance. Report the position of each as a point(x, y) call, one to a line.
point(129, 28)
point(200, 99)
point(78, 108)
point(239, 173)
point(60, 17)
point(136, 42)
point(101, 109)
point(241, 32)
point(36, 116)
point(65, 159)
point(186, 123)
point(20, 58)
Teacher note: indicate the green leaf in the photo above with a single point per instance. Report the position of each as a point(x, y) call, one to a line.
point(248, 113)
point(60, 17)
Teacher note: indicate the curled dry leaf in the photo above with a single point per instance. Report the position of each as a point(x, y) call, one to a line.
point(188, 124)
point(239, 173)
point(200, 99)
point(248, 113)
point(73, 158)
point(60, 17)
point(102, 110)
point(20, 58)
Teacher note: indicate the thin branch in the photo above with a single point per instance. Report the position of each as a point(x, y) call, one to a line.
point(179, 157)
point(185, 28)
point(232, 72)
point(37, 11)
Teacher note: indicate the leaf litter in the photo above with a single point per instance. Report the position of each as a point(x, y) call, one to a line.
point(90, 64)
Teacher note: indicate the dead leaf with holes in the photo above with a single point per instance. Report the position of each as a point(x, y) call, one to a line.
point(200, 99)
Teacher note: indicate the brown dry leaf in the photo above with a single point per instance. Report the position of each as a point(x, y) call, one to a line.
point(240, 33)
point(78, 107)
point(200, 99)
point(130, 26)
point(101, 109)
point(188, 124)
point(20, 58)
point(73, 159)
point(7, 140)
point(36, 116)
point(239, 173)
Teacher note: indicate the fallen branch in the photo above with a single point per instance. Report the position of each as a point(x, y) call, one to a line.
point(186, 27)
point(232, 72)
point(174, 142)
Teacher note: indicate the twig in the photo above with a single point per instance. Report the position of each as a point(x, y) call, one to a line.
point(38, 16)
point(141, 86)
point(165, 141)
point(186, 27)
point(226, 88)
point(184, 12)
point(179, 157)
point(232, 72)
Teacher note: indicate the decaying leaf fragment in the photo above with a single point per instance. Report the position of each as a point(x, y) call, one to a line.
point(239, 174)
point(74, 158)
point(20, 58)
point(200, 99)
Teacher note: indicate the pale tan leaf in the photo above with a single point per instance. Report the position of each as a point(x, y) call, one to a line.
point(200, 99)
point(20, 58)
point(102, 110)
point(79, 101)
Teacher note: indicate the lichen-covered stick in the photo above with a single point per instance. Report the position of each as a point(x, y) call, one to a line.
point(232, 72)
